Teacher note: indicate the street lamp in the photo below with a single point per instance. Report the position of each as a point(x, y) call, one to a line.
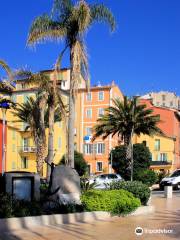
point(4, 106)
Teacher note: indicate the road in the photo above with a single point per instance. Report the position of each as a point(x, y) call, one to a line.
point(165, 218)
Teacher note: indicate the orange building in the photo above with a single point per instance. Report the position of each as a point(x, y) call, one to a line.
point(90, 106)
point(170, 125)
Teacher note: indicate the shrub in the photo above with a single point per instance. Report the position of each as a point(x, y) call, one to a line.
point(5, 206)
point(142, 160)
point(117, 202)
point(148, 177)
point(138, 189)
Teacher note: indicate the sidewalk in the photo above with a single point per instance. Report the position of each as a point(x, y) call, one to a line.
point(167, 216)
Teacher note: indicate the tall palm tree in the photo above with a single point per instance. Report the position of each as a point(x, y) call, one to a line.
point(124, 119)
point(48, 95)
point(70, 21)
point(29, 113)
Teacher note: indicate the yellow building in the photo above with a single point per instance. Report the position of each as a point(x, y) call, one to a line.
point(162, 150)
point(20, 147)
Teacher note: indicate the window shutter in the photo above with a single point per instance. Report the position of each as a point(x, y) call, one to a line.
point(95, 148)
point(103, 148)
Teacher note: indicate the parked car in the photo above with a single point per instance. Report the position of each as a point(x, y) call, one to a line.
point(102, 180)
point(173, 179)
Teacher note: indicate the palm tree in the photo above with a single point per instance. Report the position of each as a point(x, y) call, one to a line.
point(48, 95)
point(124, 119)
point(29, 113)
point(70, 21)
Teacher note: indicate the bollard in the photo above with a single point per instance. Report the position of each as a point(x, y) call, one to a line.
point(168, 191)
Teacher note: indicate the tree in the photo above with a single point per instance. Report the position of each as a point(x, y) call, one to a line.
point(30, 113)
point(79, 163)
point(142, 159)
point(48, 95)
point(124, 119)
point(70, 21)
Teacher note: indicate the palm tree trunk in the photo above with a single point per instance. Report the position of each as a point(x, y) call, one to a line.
point(75, 74)
point(128, 144)
point(50, 138)
point(41, 145)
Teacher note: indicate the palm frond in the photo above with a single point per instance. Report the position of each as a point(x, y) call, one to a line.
point(43, 28)
point(100, 13)
point(5, 66)
point(61, 8)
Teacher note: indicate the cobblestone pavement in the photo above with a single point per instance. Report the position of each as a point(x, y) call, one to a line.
point(167, 216)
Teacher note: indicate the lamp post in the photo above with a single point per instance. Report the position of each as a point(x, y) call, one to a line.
point(4, 106)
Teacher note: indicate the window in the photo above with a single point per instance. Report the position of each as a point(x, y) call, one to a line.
point(25, 98)
point(13, 165)
point(59, 143)
point(13, 148)
point(100, 149)
point(100, 112)
point(163, 157)
point(14, 99)
point(99, 166)
point(157, 145)
point(164, 104)
point(88, 131)
point(89, 96)
point(13, 134)
point(144, 143)
point(25, 144)
point(88, 149)
point(112, 176)
point(171, 104)
point(101, 96)
point(157, 103)
point(164, 97)
point(89, 113)
point(24, 162)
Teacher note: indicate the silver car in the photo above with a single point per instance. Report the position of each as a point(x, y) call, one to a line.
point(103, 180)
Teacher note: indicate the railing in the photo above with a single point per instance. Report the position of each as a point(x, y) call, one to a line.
point(27, 149)
point(160, 163)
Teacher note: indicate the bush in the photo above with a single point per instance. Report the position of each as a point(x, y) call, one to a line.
point(138, 189)
point(142, 160)
point(11, 207)
point(117, 202)
point(148, 177)
point(79, 163)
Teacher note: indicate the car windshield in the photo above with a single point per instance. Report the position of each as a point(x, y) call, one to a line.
point(175, 174)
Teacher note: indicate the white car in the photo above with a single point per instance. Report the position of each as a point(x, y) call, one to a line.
point(103, 180)
point(173, 179)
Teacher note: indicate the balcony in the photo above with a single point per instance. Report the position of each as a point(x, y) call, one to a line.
point(27, 149)
point(156, 165)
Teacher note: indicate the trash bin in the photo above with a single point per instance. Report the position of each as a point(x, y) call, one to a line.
point(168, 190)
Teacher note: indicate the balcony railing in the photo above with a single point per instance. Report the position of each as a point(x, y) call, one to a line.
point(27, 149)
point(160, 163)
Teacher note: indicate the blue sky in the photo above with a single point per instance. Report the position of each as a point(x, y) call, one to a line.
point(142, 55)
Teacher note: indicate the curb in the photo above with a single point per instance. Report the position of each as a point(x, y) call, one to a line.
point(56, 219)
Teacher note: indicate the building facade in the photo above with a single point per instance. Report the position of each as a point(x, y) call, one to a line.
point(90, 106)
point(170, 125)
point(20, 147)
point(162, 149)
point(164, 99)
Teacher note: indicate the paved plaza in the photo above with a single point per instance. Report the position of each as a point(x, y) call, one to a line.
point(166, 218)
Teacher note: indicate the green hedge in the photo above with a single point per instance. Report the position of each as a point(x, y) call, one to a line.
point(147, 176)
point(138, 189)
point(117, 202)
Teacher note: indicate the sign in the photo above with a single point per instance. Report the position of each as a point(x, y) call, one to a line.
point(87, 139)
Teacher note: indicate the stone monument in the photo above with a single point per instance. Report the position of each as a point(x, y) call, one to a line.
point(68, 181)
